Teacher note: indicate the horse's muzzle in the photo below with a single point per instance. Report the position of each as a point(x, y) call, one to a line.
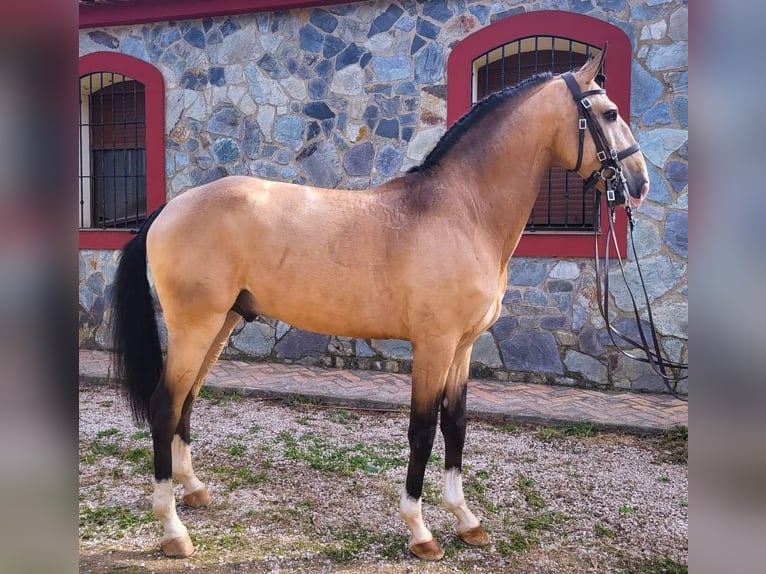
point(635, 202)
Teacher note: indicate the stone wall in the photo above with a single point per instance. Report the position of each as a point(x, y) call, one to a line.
point(350, 96)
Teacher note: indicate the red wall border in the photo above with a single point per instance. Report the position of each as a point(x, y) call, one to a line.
point(154, 90)
point(140, 11)
point(555, 23)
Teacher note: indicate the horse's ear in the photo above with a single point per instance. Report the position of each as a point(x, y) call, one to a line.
point(593, 67)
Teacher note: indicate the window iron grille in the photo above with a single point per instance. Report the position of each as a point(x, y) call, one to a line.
point(112, 152)
point(561, 204)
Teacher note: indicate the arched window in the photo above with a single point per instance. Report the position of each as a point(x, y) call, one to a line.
point(121, 168)
point(514, 49)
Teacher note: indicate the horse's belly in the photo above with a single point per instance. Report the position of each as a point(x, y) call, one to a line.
point(333, 307)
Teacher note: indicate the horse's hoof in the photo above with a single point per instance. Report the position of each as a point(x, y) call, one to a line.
point(430, 550)
point(197, 498)
point(180, 547)
point(475, 536)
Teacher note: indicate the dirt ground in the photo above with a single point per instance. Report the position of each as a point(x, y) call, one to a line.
point(299, 488)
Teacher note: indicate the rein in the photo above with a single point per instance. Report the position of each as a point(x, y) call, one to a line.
point(614, 180)
point(653, 357)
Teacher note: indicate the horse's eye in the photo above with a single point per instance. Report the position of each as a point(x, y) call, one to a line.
point(611, 115)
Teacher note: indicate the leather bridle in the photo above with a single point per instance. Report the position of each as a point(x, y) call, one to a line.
point(611, 170)
point(614, 180)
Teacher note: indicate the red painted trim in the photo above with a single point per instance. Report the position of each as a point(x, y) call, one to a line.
point(154, 90)
point(141, 11)
point(104, 239)
point(554, 23)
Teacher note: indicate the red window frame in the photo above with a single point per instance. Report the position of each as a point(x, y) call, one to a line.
point(617, 69)
point(154, 92)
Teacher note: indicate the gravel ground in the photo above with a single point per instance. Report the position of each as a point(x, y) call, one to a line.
point(299, 488)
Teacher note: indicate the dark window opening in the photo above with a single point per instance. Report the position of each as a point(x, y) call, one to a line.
point(112, 152)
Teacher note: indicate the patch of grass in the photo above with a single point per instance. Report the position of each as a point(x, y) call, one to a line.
point(303, 421)
point(431, 493)
point(664, 479)
point(237, 449)
point(531, 495)
point(107, 432)
point(238, 477)
point(684, 503)
point(548, 434)
point(674, 446)
point(343, 417)
point(113, 521)
point(297, 401)
point(580, 430)
point(602, 531)
point(141, 457)
point(517, 541)
point(544, 521)
point(100, 449)
point(657, 565)
point(355, 540)
point(206, 393)
point(626, 509)
point(140, 435)
point(434, 458)
point(221, 540)
point(511, 429)
point(323, 455)
point(255, 429)
point(474, 488)
point(302, 507)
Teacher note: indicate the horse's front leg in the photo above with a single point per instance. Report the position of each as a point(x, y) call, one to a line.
point(453, 426)
point(430, 366)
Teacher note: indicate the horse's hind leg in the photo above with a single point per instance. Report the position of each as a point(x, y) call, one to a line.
point(195, 494)
point(430, 366)
point(453, 426)
point(189, 340)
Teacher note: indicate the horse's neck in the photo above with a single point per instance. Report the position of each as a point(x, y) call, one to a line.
point(503, 182)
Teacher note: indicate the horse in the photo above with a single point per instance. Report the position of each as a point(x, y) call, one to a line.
point(423, 257)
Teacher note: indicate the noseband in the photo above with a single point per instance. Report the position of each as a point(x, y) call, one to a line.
point(611, 170)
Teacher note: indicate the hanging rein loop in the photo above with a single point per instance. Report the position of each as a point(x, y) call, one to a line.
point(611, 173)
point(653, 356)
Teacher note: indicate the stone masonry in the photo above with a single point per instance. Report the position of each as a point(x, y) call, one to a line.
point(350, 96)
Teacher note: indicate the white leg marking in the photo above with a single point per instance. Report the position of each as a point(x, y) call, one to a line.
point(182, 466)
point(411, 513)
point(164, 506)
point(454, 501)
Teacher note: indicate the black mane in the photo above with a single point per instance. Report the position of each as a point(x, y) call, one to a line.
point(478, 111)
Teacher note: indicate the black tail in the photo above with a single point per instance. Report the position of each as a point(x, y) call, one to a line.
point(137, 350)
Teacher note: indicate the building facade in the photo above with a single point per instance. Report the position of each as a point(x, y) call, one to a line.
point(349, 95)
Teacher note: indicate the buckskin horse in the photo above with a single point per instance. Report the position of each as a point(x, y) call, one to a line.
point(423, 257)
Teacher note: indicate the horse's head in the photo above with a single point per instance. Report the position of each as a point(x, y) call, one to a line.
point(603, 148)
